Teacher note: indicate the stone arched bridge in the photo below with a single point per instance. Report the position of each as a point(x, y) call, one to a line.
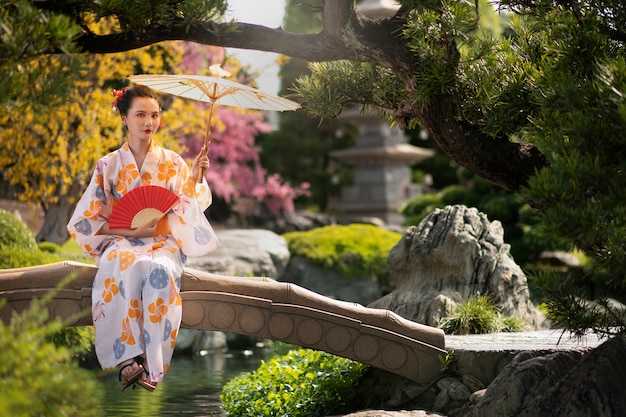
point(259, 307)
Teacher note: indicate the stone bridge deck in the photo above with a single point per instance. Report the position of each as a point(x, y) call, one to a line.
point(259, 307)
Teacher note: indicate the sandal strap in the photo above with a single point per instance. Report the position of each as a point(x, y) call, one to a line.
point(132, 377)
point(124, 367)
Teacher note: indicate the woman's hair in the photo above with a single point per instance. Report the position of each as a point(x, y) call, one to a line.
point(125, 99)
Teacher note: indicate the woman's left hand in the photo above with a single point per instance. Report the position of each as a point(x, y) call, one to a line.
point(200, 164)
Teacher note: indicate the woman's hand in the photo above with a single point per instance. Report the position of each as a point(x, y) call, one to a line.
point(200, 164)
point(147, 230)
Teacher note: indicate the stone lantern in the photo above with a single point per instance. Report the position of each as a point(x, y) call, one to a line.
point(381, 160)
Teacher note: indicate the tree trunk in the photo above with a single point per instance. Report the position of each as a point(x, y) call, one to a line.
point(56, 216)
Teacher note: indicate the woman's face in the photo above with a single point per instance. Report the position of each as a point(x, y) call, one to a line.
point(143, 118)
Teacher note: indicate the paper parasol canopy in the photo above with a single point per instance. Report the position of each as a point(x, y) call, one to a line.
point(214, 90)
point(141, 206)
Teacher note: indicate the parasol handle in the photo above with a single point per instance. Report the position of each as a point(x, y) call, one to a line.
point(207, 142)
point(204, 151)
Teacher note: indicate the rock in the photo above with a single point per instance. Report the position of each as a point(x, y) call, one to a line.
point(399, 413)
point(595, 386)
point(484, 356)
point(306, 274)
point(558, 258)
point(455, 253)
point(441, 401)
point(191, 341)
point(452, 394)
point(505, 396)
point(557, 385)
point(376, 221)
point(292, 221)
point(458, 391)
point(246, 252)
point(472, 383)
point(477, 396)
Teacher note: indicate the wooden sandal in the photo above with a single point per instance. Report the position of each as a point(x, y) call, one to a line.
point(131, 378)
point(150, 386)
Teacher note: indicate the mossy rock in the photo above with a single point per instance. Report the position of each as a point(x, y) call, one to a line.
point(355, 250)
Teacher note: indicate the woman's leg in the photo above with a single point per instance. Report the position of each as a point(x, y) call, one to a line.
point(162, 311)
point(116, 305)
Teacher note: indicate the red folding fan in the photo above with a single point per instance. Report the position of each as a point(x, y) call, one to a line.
point(140, 206)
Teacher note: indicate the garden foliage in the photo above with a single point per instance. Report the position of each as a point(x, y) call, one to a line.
point(39, 378)
point(302, 383)
point(477, 315)
point(18, 247)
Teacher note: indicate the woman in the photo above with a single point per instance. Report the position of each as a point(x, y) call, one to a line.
point(136, 306)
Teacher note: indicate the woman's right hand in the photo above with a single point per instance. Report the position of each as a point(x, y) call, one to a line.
point(147, 230)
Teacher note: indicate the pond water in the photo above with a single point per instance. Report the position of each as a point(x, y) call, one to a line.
point(192, 386)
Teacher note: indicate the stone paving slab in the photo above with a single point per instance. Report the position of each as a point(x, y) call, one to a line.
point(543, 340)
point(484, 356)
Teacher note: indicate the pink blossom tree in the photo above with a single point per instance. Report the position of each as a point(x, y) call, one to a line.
point(236, 174)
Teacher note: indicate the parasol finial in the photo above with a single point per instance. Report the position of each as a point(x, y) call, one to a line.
point(217, 71)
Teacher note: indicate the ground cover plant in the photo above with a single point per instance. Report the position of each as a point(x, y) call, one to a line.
point(477, 315)
point(301, 383)
point(39, 377)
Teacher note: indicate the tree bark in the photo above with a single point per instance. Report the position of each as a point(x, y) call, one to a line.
point(54, 228)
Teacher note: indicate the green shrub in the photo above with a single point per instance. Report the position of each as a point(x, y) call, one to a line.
point(485, 187)
point(38, 378)
point(449, 364)
point(478, 316)
point(14, 233)
point(504, 207)
point(356, 250)
point(16, 257)
point(18, 247)
point(302, 383)
point(79, 340)
point(528, 215)
point(457, 194)
point(513, 324)
point(49, 247)
point(419, 207)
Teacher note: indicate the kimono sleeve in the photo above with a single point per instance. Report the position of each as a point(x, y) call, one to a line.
point(88, 217)
point(189, 225)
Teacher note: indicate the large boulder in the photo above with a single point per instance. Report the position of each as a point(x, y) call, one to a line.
point(305, 273)
point(246, 252)
point(454, 254)
point(557, 385)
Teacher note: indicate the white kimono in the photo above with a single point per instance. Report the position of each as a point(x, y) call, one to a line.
point(136, 305)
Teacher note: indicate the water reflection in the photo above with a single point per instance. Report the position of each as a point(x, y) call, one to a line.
point(191, 388)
